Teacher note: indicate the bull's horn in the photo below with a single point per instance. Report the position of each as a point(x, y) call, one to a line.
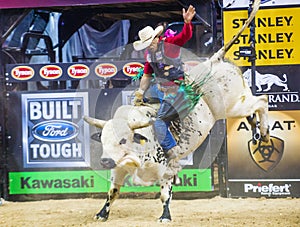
point(133, 124)
point(95, 122)
point(220, 54)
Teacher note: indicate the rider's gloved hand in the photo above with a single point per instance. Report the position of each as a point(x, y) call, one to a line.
point(138, 97)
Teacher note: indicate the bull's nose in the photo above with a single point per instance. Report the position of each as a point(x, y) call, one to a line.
point(107, 163)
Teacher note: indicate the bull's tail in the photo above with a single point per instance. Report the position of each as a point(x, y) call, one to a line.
point(221, 53)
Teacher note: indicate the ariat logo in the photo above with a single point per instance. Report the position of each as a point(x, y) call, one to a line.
point(132, 68)
point(106, 70)
point(266, 155)
point(22, 73)
point(50, 72)
point(78, 71)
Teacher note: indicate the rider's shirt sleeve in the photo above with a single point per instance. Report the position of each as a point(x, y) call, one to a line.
point(147, 68)
point(173, 44)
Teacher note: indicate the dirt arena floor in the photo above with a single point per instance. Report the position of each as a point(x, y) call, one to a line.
point(216, 211)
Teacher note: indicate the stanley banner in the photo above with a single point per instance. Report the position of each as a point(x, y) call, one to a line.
point(276, 35)
point(265, 169)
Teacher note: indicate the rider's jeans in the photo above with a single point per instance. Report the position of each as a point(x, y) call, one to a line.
point(161, 128)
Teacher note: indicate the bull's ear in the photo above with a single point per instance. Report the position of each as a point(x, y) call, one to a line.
point(95, 122)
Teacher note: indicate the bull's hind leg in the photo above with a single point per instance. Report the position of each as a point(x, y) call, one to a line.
point(262, 110)
point(117, 179)
point(165, 197)
point(253, 107)
point(252, 120)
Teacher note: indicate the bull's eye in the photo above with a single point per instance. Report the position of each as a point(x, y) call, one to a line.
point(122, 141)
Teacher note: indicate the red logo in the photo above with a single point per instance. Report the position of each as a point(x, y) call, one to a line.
point(106, 70)
point(50, 72)
point(132, 68)
point(22, 73)
point(78, 71)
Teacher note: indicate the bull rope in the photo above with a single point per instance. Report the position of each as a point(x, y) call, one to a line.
point(220, 54)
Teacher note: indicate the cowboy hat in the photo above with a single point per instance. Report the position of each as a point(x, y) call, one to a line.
point(146, 35)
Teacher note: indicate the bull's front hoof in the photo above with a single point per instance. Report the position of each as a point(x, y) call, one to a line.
point(164, 220)
point(102, 215)
point(166, 216)
point(99, 218)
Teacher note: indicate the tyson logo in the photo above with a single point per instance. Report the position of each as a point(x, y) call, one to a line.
point(106, 70)
point(50, 72)
point(78, 71)
point(22, 73)
point(132, 68)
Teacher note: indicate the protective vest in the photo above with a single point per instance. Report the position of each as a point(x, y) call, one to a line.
point(164, 67)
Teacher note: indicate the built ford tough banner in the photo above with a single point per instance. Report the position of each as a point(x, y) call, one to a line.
point(54, 134)
point(51, 150)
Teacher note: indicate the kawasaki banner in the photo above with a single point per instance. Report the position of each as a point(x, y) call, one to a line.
point(96, 181)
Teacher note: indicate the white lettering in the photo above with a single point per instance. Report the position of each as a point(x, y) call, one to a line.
point(48, 110)
point(47, 72)
point(75, 71)
point(104, 71)
point(131, 69)
point(269, 190)
point(56, 150)
point(22, 73)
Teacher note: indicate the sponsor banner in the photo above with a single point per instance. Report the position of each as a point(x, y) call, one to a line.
point(75, 71)
point(280, 83)
point(71, 71)
point(264, 3)
point(106, 70)
point(54, 182)
point(53, 131)
point(132, 69)
point(276, 35)
point(50, 3)
point(78, 71)
point(275, 161)
point(275, 189)
point(50, 72)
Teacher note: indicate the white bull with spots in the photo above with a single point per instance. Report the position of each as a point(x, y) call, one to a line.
point(129, 144)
